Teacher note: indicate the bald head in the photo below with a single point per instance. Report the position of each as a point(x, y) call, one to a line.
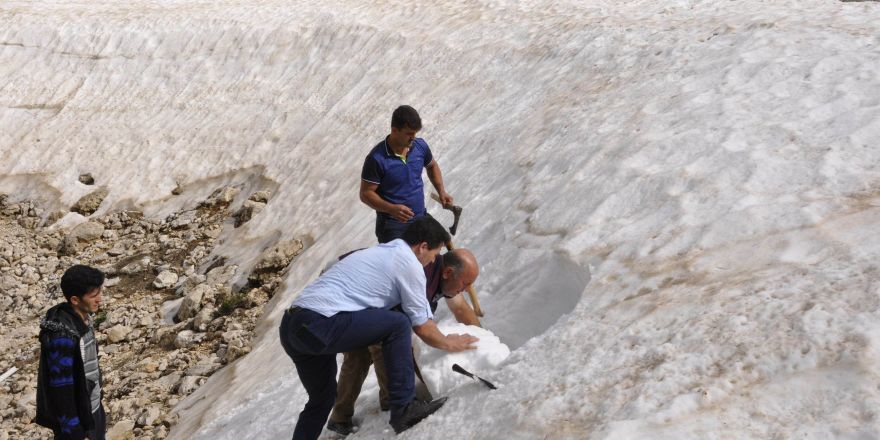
point(460, 270)
point(461, 260)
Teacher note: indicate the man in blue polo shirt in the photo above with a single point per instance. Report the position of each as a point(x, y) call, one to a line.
point(391, 178)
point(349, 307)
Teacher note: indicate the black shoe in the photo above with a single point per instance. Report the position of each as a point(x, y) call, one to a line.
point(341, 427)
point(414, 413)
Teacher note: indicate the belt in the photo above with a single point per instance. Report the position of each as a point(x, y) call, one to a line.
point(293, 310)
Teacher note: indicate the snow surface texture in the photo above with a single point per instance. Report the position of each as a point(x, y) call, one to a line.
point(675, 203)
point(436, 365)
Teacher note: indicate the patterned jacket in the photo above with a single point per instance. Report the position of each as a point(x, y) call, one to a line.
point(64, 402)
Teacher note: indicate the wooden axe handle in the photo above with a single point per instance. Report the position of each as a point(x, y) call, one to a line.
point(476, 302)
point(472, 293)
point(456, 212)
point(436, 198)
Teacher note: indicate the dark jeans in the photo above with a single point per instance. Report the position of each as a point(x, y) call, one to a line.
point(100, 425)
point(100, 430)
point(388, 229)
point(313, 341)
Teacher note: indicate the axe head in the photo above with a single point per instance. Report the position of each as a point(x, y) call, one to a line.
point(456, 212)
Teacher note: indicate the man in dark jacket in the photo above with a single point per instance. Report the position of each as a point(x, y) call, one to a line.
point(69, 380)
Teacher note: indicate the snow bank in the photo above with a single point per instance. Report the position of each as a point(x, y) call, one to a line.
point(675, 203)
point(436, 365)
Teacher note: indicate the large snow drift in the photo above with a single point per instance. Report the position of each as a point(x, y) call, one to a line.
point(676, 203)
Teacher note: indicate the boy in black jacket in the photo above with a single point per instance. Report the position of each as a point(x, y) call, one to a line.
point(69, 380)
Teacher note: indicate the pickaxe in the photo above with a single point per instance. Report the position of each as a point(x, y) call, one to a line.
point(456, 211)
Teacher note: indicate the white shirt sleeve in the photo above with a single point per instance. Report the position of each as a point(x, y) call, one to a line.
point(411, 285)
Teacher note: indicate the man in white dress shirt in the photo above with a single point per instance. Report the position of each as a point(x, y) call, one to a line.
point(349, 307)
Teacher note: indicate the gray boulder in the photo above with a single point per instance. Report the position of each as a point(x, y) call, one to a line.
point(192, 302)
point(184, 339)
point(122, 430)
point(221, 275)
point(165, 279)
point(88, 231)
point(118, 333)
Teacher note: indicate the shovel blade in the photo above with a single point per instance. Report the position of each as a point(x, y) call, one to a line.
point(487, 383)
point(457, 368)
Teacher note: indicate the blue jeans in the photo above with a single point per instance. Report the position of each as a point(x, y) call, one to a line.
point(387, 228)
point(313, 340)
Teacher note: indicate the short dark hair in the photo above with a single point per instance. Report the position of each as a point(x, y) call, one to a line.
point(425, 229)
point(406, 116)
point(451, 259)
point(80, 279)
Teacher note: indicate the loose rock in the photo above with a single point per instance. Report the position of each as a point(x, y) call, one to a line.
point(88, 231)
point(88, 204)
point(189, 384)
point(149, 417)
point(192, 302)
point(86, 179)
point(274, 260)
point(247, 211)
point(260, 196)
point(166, 279)
point(118, 333)
point(184, 339)
point(122, 430)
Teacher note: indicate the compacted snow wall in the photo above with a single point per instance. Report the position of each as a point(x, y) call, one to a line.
point(674, 203)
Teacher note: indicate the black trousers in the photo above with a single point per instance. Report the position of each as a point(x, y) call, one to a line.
point(100, 430)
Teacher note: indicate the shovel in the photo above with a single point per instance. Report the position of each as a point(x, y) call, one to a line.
point(457, 368)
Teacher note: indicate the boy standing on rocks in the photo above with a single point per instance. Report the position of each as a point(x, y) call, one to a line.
point(69, 379)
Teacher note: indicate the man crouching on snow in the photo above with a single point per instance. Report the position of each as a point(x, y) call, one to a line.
point(445, 278)
point(348, 308)
point(69, 379)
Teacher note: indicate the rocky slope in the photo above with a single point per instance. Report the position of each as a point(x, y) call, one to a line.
point(172, 314)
